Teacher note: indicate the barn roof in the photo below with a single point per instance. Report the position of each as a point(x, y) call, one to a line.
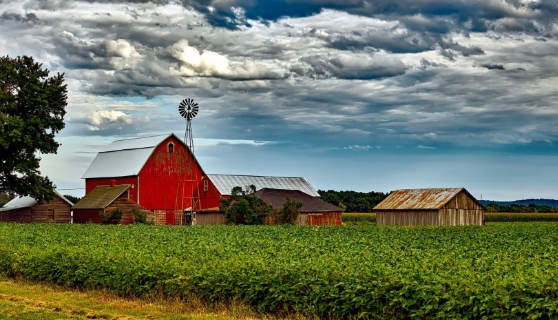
point(277, 198)
point(26, 202)
point(226, 182)
point(100, 197)
point(420, 199)
point(123, 158)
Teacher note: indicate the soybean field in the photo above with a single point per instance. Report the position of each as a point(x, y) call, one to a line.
point(506, 270)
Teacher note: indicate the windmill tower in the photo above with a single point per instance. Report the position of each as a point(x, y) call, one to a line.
point(188, 109)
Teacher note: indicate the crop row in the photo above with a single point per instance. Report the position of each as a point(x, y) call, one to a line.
point(496, 271)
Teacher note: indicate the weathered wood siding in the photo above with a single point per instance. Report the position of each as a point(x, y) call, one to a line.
point(54, 211)
point(406, 217)
point(314, 219)
point(210, 218)
point(87, 215)
point(462, 210)
point(126, 205)
point(324, 219)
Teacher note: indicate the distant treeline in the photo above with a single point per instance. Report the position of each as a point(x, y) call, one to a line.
point(525, 202)
point(353, 201)
point(520, 208)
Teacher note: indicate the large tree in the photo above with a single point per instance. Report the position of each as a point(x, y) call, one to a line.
point(32, 109)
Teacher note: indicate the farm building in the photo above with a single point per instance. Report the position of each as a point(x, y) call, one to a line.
point(440, 206)
point(27, 209)
point(106, 199)
point(163, 174)
point(314, 212)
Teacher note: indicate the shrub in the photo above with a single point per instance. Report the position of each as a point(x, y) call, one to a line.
point(244, 207)
point(289, 214)
point(140, 216)
point(113, 218)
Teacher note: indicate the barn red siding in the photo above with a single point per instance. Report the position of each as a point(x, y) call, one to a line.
point(91, 183)
point(87, 215)
point(162, 179)
point(210, 198)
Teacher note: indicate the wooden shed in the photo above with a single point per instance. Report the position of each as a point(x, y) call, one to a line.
point(27, 209)
point(439, 206)
point(314, 212)
point(106, 199)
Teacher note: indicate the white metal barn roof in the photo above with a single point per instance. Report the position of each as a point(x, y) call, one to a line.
point(225, 182)
point(124, 158)
point(26, 202)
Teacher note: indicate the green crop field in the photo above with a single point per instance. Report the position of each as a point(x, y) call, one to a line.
point(506, 270)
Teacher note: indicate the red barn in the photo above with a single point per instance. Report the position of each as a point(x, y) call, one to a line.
point(162, 172)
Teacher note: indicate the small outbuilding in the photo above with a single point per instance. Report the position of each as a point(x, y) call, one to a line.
point(28, 210)
point(106, 199)
point(314, 212)
point(438, 206)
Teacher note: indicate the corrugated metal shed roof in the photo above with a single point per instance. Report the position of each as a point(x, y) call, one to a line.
point(418, 199)
point(226, 182)
point(100, 197)
point(18, 203)
point(123, 158)
point(26, 202)
point(277, 198)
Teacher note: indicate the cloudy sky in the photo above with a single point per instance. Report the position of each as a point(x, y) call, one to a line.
point(351, 94)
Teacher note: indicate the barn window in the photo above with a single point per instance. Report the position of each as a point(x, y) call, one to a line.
point(170, 147)
point(205, 185)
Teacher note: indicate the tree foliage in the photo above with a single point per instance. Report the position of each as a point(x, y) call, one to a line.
point(72, 199)
point(289, 213)
point(520, 208)
point(32, 109)
point(352, 200)
point(244, 207)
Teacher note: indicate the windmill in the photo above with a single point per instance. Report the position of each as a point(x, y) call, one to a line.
point(188, 109)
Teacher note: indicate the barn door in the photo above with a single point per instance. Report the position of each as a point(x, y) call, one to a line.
point(50, 217)
point(170, 218)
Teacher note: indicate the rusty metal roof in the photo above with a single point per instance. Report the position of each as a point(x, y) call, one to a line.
point(123, 158)
point(418, 199)
point(226, 182)
point(100, 197)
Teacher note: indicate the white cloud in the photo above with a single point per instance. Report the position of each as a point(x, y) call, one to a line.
point(424, 147)
point(104, 119)
point(357, 147)
point(121, 48)
point(213, 64)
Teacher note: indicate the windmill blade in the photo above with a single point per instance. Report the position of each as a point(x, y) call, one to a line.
point(188, 108)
